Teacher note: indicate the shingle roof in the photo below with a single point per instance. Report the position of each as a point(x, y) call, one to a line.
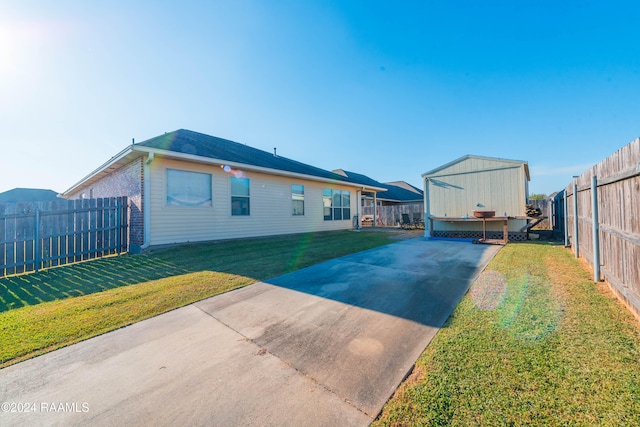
point(19, 195)
point(199, 144)
point(394, 191)
point(358, 178)
point(400, 194)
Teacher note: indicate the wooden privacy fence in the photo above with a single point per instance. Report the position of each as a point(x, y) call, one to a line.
point(603, 221)
point(40, 235)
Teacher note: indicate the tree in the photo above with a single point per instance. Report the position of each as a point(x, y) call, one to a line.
point(537, 196)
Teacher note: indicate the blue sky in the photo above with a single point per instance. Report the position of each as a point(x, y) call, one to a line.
point(386, 89)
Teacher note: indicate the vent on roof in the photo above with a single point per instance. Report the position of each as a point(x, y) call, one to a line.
point(274, 152)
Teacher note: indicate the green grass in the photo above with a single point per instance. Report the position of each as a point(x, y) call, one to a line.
point(535, 342)
point(52, 309)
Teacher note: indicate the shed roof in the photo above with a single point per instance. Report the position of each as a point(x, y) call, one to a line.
point(470, 156)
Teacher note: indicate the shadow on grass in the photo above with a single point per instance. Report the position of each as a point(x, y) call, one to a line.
point(82, 279)
point(259, 259)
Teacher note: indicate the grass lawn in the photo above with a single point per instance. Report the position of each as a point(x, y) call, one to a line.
point(52, 309)
point(534, 342)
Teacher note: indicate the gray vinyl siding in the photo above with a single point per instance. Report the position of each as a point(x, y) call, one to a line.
point(270, 208)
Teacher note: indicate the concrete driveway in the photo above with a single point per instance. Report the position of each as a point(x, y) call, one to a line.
point(326, 345)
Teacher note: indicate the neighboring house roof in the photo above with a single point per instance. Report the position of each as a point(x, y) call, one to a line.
point(469, 156)
point(398, 191)
point(358, 178)
point(19, 195)
point(197, 147)
point(406, 186)
point(401, 193)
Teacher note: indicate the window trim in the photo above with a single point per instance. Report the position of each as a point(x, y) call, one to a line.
point(240, 196)
point(166, 180)
point(327, 208)
point(344, 212)
point(293, 199)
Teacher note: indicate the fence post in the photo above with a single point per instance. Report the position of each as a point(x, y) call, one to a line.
point(596, 228)
point(575, 243)
point(119, 224)
point(36, 242)
point(565, 219)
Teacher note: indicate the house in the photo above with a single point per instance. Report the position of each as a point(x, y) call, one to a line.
point(399, 197)
point(186, 186)
point(21, 195)
point(453, 192)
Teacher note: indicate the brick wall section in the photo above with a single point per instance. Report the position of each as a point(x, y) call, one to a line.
point(126, 181)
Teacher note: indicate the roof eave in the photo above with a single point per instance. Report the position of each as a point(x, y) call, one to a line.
point(107, 166)
point(248, 167)
point(135, 151)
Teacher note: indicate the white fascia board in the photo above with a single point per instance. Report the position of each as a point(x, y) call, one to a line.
point(430, 176)
point(246, 167)
point(121, 155)
point(471, 156)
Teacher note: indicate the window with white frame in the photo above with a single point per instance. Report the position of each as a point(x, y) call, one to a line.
point(336, 204)
point(187, 188)
point(240, 195)
point(297, 199)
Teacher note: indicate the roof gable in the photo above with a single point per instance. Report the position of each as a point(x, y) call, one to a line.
point(401, 193)
point(495, 161)
point(406, 186)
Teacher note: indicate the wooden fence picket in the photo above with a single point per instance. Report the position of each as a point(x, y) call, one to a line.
point(618, 215)
point(39, 235)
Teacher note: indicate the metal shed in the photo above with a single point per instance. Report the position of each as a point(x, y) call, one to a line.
point(454, 191)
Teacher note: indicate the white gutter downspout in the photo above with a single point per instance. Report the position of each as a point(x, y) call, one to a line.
point(146, 208)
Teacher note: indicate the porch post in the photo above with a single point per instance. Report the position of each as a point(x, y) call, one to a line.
point(375, 208)
point(358, 203)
